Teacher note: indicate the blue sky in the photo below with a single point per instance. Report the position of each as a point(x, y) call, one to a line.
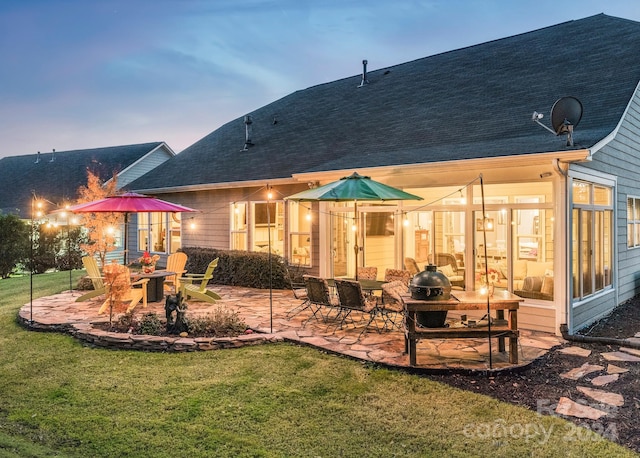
point(87, 73)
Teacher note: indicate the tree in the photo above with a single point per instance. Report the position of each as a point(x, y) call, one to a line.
point(14, 243)
point(100, 226)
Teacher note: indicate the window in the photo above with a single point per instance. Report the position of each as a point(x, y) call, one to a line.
point(153, 229)
point(238, 226)
point(268, 227)
point(633, 222)
point(300, 233)
point(592, 233)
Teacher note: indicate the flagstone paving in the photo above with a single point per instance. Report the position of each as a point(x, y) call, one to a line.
point(268, 317)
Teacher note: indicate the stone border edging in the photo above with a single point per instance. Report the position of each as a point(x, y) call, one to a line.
point(117, 340)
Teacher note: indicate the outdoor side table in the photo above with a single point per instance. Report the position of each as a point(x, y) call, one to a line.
point(464, 300)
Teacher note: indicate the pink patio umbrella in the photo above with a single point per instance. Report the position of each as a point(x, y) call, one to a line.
point(129, 202)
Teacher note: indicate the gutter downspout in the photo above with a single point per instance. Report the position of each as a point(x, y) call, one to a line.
point(597, 340)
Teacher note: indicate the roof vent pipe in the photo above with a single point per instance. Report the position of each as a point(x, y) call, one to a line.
point(53, 155)
point(364, 73)
point(247, 125)
point(37, 158)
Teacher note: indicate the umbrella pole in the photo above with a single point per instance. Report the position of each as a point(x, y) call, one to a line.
point(124, 243)
point(356, 248)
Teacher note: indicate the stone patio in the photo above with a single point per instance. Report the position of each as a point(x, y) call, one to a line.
point(62, 313)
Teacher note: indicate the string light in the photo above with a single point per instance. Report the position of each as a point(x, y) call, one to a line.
point(308, 215)
point(405, 220)
point(192, 225)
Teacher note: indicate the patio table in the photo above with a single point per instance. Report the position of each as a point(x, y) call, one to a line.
point(464, 300)
point(155, 286)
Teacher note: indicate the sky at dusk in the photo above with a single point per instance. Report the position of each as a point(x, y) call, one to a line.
point(79, 74)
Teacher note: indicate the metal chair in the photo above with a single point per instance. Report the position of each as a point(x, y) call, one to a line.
point(353, 299)
point(299, 290)
point(392, 307)
point(367, 273)
point(319, 295)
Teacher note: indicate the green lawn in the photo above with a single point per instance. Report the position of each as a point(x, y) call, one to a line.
point(62, 399)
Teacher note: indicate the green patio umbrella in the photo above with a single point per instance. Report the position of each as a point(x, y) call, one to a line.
point(354, 187)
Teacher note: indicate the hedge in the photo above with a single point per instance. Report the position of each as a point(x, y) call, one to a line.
point(239, 268)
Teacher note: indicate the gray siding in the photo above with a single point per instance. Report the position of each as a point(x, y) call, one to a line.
point(144, 165)
point(620, 157)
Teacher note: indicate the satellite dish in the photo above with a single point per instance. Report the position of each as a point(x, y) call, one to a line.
point(567, 111)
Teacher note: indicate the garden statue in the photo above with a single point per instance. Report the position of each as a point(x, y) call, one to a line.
point(176, 305)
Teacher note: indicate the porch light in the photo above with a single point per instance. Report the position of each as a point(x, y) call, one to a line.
point(192, 225)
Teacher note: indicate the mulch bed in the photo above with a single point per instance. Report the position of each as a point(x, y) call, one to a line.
point(539, 387)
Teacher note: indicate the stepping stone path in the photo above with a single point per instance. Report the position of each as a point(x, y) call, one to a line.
point(602, 380)
point(620, 356)
point(573, 409)
point(612, 399)
point(580, 409)
point(579, 372)
point(575, 351)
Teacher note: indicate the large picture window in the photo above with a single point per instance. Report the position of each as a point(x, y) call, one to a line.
point(153, 229)
point(268, 227)
point(238, 226)
point(633, 222)
point(300, 233)
point(592, 238)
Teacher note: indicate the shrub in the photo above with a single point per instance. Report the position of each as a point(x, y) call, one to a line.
point(239, 268)
point(149, 324)
point(220, 322)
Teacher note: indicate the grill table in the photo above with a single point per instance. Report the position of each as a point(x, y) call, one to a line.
point(464, 300)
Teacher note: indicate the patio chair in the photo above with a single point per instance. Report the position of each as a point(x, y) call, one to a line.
point(392, 307)
point(353, 299)
point(319, 295)
point(175, 263)
point(198, 291)
point(299, 290)
point(367, 273)
point(411, 265)
point(397, 274)
point(118, 277)
point(93, 272)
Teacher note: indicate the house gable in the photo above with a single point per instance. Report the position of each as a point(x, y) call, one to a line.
point(57, 176)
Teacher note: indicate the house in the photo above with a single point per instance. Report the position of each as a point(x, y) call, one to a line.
point(55, 177)
point(555, 217)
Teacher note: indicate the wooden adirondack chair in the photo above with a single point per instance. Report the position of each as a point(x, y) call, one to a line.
point(93, 272)
point(194, 286)
point(119, 277)
point(175, 263)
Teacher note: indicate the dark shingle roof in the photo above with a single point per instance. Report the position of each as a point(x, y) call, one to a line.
point(468, 103)
point(58, 180)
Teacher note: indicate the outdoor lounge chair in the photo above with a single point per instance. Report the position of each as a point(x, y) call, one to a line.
point(93, 273)
point(175, 263)
point(194, 286)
